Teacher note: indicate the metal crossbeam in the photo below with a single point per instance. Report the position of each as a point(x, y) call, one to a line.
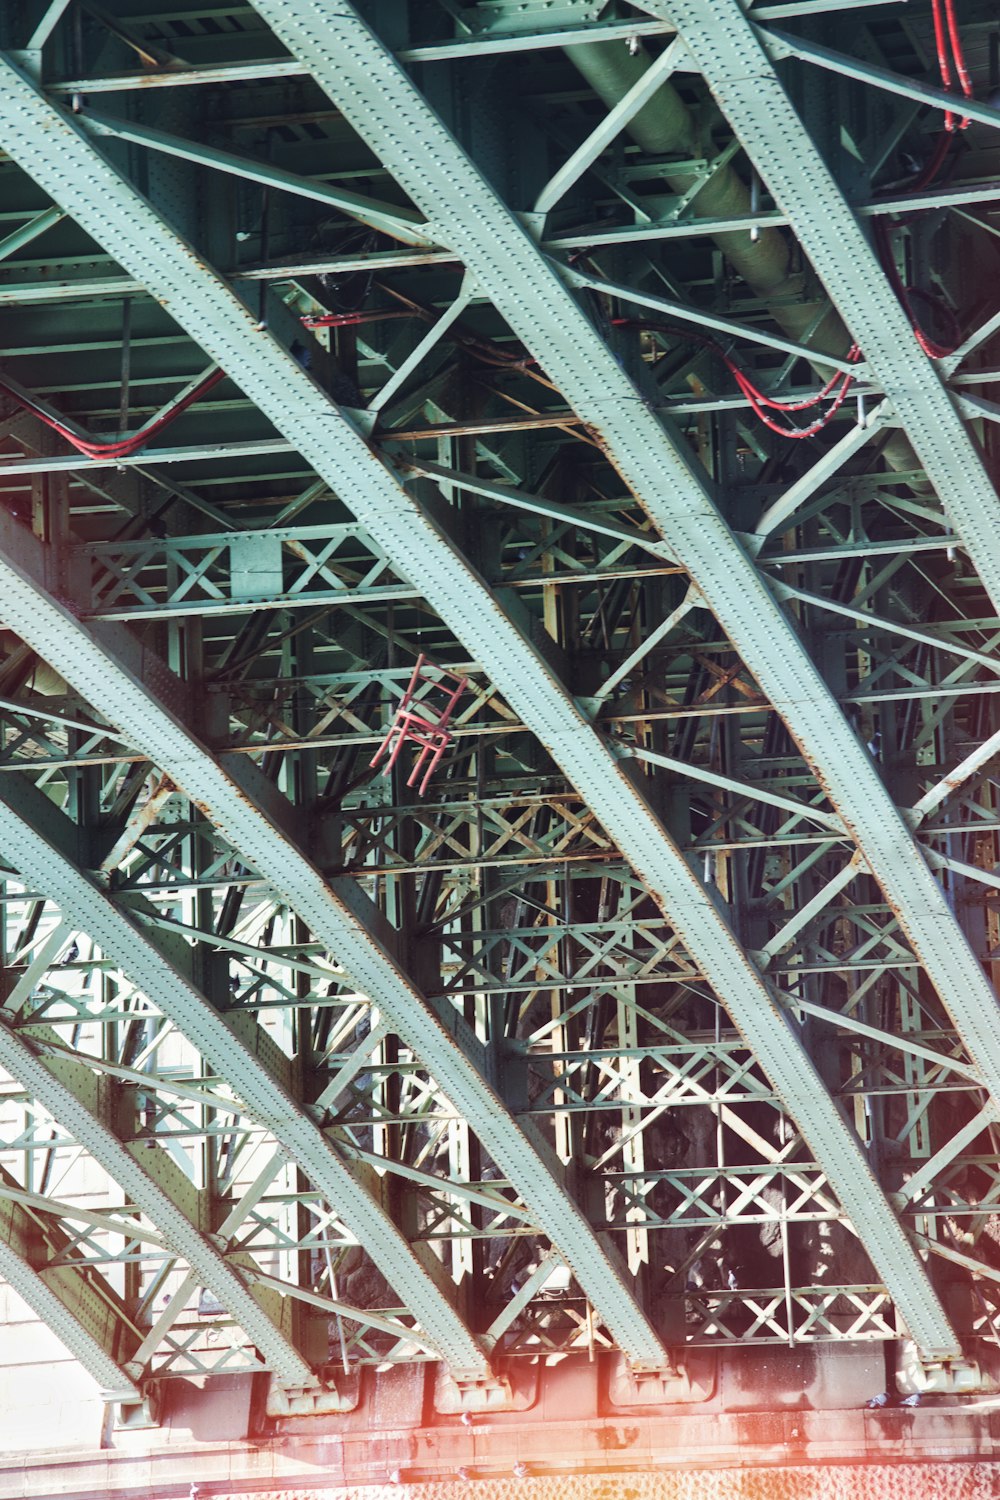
point(357, 73)
point(38, 841)
point(232, 572)
point(231, 793)
point(781, 44)
point(147, 250)
point(359, 76)
point(401, 224)
point(736, 68)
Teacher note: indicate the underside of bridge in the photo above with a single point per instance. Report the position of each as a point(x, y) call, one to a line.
point(586, 412)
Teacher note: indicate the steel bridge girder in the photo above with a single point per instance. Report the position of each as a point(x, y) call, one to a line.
point(566, 733)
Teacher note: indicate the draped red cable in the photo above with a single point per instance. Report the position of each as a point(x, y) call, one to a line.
point(124, 447)
point(835, 389)
point(349, 319)
point(951, 63)
point(906, 294)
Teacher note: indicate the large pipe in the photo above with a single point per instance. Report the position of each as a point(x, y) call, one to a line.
point(793, 296)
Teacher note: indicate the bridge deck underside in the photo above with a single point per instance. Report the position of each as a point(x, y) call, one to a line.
point(634, 363)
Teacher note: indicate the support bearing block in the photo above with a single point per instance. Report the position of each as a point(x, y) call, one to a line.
point(137, 1416)
point(513, 1389)
point(945, 1377)
point(330, 1398)
point(692, 1381)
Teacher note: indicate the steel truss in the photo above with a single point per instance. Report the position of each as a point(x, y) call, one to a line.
point(668, 1015)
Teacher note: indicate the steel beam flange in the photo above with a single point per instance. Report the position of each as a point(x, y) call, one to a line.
point(352, 63)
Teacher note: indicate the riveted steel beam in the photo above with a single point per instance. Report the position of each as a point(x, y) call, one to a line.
point(401, 223)
point(38, 841)
point(146, 456)
point(69, 1090)
point(230, 793)
point(742, 78)
point(81, 1310)
point(360, 77)
point(782, 44)
point(349, 60)
point(30, 231)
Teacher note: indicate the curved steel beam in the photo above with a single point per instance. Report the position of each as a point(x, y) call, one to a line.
point(728, 52)
point(376, 96)
point(54, 151)
point(69, 1090)
point(37, 839)
point(81, 1310)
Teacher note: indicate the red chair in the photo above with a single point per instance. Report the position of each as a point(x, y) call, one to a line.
point(422, 719)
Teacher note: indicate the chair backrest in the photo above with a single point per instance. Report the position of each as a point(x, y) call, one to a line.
point(433, 692)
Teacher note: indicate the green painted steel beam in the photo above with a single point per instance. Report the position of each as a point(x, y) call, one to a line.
point(467, 214)
point(129, 684)
point(744, 82)
point(607, 130)
point(195, 452)
point(594, 238)
point(267, 69)
point(703, 319)
point(37, 225)
point(68, 1297)
point(361, 78)
point(779, 44)
point(38, 841)
point(351, 63)
point(69, 1091)
point(399, 222)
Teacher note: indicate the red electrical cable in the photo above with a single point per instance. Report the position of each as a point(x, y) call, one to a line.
point(836, 387)
point(125, 446)
point(959, 55)
point(348, 319)
point(934, 164)
point(944, 65)
point(946, 32)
